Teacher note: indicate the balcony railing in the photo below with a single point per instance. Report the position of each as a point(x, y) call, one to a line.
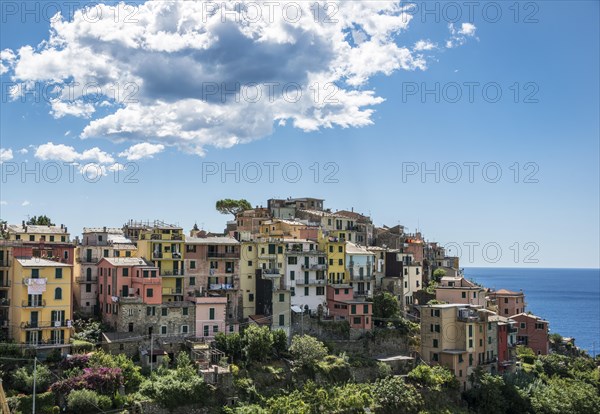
point(87, 259)
point(46, 344)
point(172, 291)
point(33, 303)
point(222, 255)
point(32, 325)
point(174, 272)
point(4, 302)
point(315, 267)
point(147, 280)
point(166, 237)
point(83, 279)
point(270, 272)
point(320, 282)
point(26, 279)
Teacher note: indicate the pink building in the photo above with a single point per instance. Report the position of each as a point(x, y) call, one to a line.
point(126, 277)
point(532, 332)
point(211, 312)
point(460, 290)
point(509, 303)
point(342, 305)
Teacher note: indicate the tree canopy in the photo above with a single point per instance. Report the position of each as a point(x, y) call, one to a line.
point(229, 206)
point(40, 221)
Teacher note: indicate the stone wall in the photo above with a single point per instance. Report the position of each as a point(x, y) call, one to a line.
point(137, 314)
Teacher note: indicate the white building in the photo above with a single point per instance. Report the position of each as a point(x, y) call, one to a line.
point(360, 266)
point(305, 273)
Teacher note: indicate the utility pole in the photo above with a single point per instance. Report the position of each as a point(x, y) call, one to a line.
point(151, 354)
point(34, 382)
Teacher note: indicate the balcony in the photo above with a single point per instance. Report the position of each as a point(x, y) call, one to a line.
point(315, 267)
point(166, 237)
point(147, 280)
point(174, 272)
point(26, 280)
point(87, 259)
point(33, 303)
point(4, 284)
point(489, 361)
point(467, 315)
point(35, 325)
point(93, 279)
point(220, 255)
point(271, 273)
point(221, 286)
point(4, 302)
point(318, 282)
point(172, 291)
point(46, 344)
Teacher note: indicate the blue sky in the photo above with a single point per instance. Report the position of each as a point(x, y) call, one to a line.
point(548, 218)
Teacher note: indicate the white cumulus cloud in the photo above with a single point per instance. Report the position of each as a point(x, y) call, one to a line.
point(66, 153)
point(204, 74)
point(459, 35)
point(142, 150)
point(6, 154)
point(25, 203)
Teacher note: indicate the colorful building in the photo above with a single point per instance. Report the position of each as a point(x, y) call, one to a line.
point(342, 305)
point(360, 265)
point(508, 303)
point(532, 332)
point(460, 337)
point(460, 290)
point(40, 311)
point(507, 342)
point(305, 274)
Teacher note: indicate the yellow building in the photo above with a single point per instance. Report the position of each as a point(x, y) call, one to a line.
point(248, 267)
point(335, 248)
point(40, 304)
point(163, 244)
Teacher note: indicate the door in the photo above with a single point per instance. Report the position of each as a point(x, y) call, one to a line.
point(178, 286)
point(33, 320)
point(125, 291)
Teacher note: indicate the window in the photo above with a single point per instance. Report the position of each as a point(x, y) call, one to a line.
point(185, 311)
point(58, 293)
point(470, 343)
point(211, 314)
point(292, 275)
point(184, 329)
point(522, 325)
point(249, 262)
point(281, 320)
point(125, 272)
point(88, 287)
point(356, 320)
point(150, 311)
point(320, 290)
point(505, 300)
point(460, 359)
point(206, 328)
point(105, 253)
point(340, 249)
point(32, 238)
point(470, 331)
point(35, 273)
point(330, 249)
point(163, 330)
point(306, 291)
point(250, 297)
point(293, 291)
point(215, 328)
point(341, 262)
point(435, 357)
point(353, 309)
point(281, 297)
point(192, 264)
point(58, 273)
point(330, 262)
point(365, 309)
point(249, 248)
point(470, 359)
point(292, 260)
point(463, 295)
point(539, 326)
point(164, 311)
point(149, 293)
point(435, 343)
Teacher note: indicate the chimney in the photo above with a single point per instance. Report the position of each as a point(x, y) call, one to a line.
point(66, 230)
point(23, 223)
point(104, 229)
point(62, 226)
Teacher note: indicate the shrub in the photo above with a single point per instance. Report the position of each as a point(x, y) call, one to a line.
point(79, 347)
point(307, 351)
point(103, 380)
point(84, 401)
point(23, 379)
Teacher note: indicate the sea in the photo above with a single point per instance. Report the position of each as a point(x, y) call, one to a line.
point(569, 299)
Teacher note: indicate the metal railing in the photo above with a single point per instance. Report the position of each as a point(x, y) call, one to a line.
point(33, 303)
point(84, 279)
point(174, 272)
point(44, 324)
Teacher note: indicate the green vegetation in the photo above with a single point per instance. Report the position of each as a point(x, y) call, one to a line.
point(40, 221)
point(385, 306)
point(229, 206)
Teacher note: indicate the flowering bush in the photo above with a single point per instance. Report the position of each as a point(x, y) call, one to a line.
point(75, 361)
point(102, 380)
